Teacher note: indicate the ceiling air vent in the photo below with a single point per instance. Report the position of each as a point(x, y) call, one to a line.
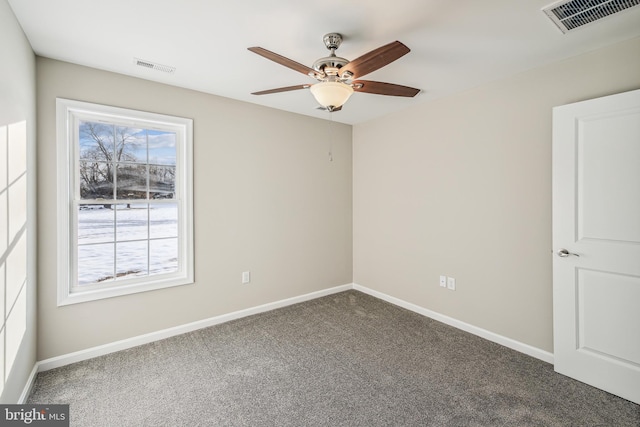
point(152, 65)
point(572, 14)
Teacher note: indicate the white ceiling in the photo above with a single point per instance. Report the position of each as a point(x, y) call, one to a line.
point(455, 45)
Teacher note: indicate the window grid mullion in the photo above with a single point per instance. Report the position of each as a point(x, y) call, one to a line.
point(114, 171)
point(148, 208)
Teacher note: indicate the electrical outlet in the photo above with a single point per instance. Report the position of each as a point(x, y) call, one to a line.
point(246, 277)
point(451, 283)
point(443, 281)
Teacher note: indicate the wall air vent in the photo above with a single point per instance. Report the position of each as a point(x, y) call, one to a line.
point(572, 14)
point(158, 67)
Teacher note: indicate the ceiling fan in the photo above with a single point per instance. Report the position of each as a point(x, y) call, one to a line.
point(338, 78)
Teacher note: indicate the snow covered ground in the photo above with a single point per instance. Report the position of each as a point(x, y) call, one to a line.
point(116, 244)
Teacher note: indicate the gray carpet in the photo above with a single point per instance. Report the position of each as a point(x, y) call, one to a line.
point(343, 360)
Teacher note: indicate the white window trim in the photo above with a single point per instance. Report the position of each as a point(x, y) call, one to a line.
point(68, 112)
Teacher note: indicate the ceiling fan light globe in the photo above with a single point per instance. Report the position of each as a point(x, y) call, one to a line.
point(331, 94)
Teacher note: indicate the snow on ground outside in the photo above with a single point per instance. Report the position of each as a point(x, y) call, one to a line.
point(96, 241)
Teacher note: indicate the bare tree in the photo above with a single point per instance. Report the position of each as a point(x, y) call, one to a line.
point(104, 147)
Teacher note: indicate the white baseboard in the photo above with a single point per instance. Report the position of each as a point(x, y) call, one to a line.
point(491, 336)
point(29, 386)
point(89, 353)
point(66, 359)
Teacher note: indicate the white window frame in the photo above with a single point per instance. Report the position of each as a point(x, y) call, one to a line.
point(69, 113)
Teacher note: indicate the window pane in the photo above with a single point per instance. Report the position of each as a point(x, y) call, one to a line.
point(163, 220)
point(96, 141)
point(95, 224)
point(131, 182)
point(131, 259)
point(132, 222)
point(95, 263)
point(131, 145)
point(164, 256)
point(162, 182)
point(162, 147)
point(96, 180)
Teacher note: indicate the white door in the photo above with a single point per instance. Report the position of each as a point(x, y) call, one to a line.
point(596, 242)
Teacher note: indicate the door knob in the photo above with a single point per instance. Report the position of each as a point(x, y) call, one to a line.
point(563, 253)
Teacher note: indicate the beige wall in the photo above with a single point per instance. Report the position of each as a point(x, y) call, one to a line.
point(462, 187)
point(17, 206)
point(267, 199)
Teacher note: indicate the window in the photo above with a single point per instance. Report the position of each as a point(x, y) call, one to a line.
point(125, 201)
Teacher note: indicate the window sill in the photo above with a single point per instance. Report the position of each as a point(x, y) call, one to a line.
point(80, 296)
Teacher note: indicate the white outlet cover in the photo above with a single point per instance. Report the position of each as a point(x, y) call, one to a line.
point(246, 277)
point(451, 283)
point(443, 281)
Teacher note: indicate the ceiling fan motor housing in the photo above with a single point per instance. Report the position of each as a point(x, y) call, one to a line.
point(325, 65)
point(330, 65)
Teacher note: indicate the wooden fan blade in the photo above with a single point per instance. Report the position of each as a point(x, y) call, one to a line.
point(280, 89)
point(381, 88)
point(289, 63)
point(375, 59)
